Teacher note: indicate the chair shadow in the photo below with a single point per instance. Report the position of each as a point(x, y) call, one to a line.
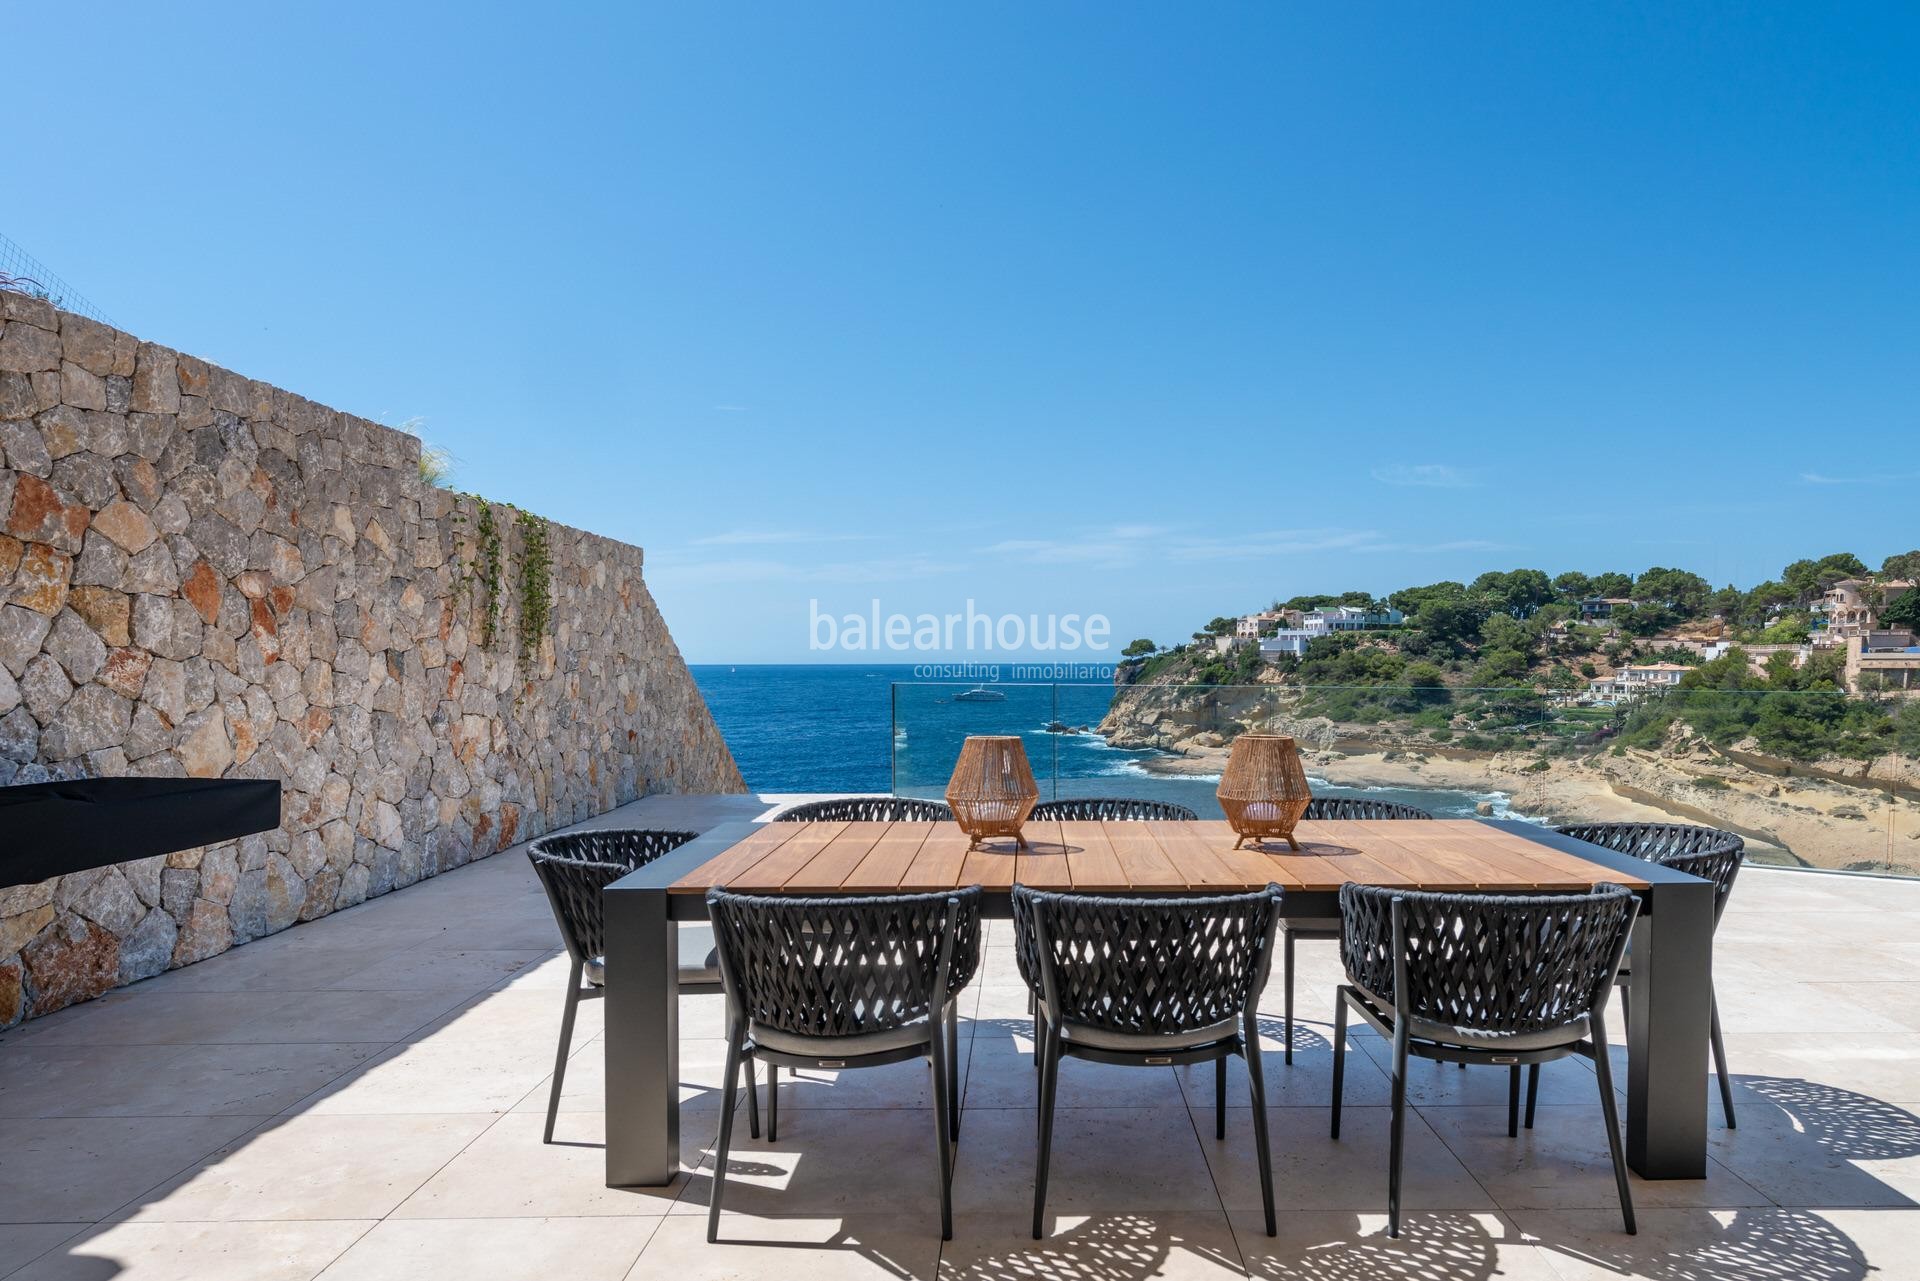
point(1841, 1123)
point(1754, 1245)
point(1432, 1246)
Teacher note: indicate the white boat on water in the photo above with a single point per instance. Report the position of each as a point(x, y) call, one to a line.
point(980, 694)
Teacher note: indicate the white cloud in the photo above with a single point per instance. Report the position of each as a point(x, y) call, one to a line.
point(1425, 476)
point(1884, 478)
point(1114, 548)
point(885, 569)
point(756, 537)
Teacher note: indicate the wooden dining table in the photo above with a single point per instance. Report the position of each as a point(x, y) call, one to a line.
point(1672, 945)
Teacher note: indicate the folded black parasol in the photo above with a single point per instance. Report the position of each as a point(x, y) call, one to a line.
point(50, 829)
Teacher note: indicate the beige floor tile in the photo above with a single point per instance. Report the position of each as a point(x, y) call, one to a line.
point(1431, 1084)
point(316, 1167)
point(1709, 1245)
point(1312, 1172)
point(509, 1172)
point(168, 1080)
point(496, 1250)
point(1896, 1002)
point(584, 1089)
point(22, 1243)
point(824, 1163)
point(1105, 1160)
point(1812, 1146)
point(1343, 1245)
point(198, 1252)
point(1001, 1074)
point(1178, 1246)
point(86, 1168)
point(436, 969)
point(439, 1075)
point(1307, 1082)
point(750, 1248)
point(1563, 1163)
point(160, 1017)
point(1882, 1068)
point(516, 1018)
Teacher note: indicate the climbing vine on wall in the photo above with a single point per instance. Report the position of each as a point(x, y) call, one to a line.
point(487, 555)
point(482, 577)
point(536, 584)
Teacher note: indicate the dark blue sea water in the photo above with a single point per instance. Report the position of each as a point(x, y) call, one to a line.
point(849, 728)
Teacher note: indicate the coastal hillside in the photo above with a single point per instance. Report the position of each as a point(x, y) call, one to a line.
point(1582, 697)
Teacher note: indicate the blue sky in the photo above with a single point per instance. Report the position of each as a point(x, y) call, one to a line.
point(1154, 312)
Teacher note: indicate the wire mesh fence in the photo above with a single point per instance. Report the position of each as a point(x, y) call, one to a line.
point(22, 273)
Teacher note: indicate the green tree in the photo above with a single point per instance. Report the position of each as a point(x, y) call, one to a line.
point(1220, 627)
point(1520, 592)
point(1904, 565)
point(1904, 612)
point(1138, 648)
point(1611, 586)
point(1678, 590)
point(1573, 585)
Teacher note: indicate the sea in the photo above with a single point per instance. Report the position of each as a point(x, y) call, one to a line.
point(849, 728)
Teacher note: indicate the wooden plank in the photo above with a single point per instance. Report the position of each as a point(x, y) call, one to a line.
point(939, 862)
point(1142, 861)
point(772, 872)
point(1205, 863)
point(992, 866)
point(886, 864)
point(1091, 862)
point(729, 863)
point(1043, 864)
point(1299, 870)
point(1436, 864)
point(826, 872)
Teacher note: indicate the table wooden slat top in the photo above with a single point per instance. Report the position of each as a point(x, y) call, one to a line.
point(888, 858)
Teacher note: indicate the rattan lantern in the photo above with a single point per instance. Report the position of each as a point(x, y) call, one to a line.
point(992, 790)
point(1264, 790)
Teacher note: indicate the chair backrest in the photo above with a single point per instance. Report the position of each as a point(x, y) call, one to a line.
point(1119, 809)
point(1488, 962)
point(843, 966)
point(1145, 965)
point(867, 809)
point(1347, 807)
point(575, 867)
point(1706, 852)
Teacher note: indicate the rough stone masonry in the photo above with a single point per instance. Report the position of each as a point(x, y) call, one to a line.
point(204, 575)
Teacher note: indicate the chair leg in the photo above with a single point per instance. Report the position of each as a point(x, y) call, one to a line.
point(1049, 1080)
point(953, 1073)
point(1603, 1070)
point(943, 1141)
point(1256, 1076)
point(1720, 1064)
point(1396, 1146)
point(753, 1101)
point(560, 1055)
point(1339, 1056)
point(725, 1144)
point(1220, 1098)
point(773, 1102)
point(1513, 1101)
point(1533, 1090)
point(1286, 977)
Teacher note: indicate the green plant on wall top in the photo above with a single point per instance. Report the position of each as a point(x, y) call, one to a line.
point(486, 572)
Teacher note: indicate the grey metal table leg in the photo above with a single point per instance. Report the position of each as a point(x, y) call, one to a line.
point(642, 1039)
point(1667, 1021)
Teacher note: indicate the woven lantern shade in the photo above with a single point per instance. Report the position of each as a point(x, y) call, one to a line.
point(1264, 789)
point(992, 790)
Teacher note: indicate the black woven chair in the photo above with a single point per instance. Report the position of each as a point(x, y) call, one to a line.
point(1705, 852)
point(574, 868)
point(1109, 809)
point(1319, 927)
point(867, 809)
point(844, 983)
point(1147, 983)
point(1500, 979)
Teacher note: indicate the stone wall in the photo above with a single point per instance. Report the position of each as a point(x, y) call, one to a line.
point(204, 575)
